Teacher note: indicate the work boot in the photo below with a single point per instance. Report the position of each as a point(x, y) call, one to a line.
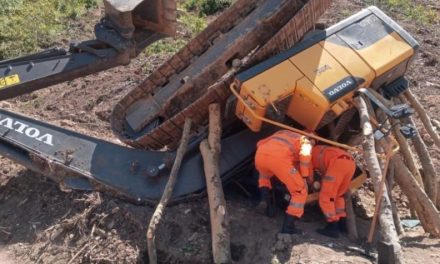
point(289, 225)
point(331, 230)
point(342, 224)
point(265, 205)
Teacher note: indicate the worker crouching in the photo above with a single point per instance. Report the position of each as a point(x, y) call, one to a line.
point(287, 156)
point(336, 168)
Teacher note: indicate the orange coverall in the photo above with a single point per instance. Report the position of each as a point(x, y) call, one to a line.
point(336, 167)
point(280, 155)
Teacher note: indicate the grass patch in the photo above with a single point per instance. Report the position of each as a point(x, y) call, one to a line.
point(164, 46)
point(411, 10)
point(191, 22)
point(28, 25)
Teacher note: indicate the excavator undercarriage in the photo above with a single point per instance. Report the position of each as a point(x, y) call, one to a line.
point(151, 115)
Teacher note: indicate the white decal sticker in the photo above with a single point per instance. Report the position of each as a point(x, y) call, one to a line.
point(27, 130)
point(340, 87)
point(7, 122)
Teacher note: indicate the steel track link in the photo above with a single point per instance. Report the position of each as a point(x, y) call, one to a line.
point(189, 97)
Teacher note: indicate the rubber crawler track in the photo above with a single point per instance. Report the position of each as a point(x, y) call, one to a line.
point(200, 73)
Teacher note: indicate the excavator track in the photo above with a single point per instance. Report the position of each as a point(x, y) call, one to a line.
point(152, 114)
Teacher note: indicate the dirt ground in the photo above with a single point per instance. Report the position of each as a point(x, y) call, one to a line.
point(41, 224)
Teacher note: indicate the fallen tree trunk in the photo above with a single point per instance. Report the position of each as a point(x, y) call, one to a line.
point(210, 149)
point(387, 228)
point(167, 194)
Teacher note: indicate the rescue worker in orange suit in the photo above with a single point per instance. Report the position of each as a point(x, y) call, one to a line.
point(287, 156)
point(336, 168)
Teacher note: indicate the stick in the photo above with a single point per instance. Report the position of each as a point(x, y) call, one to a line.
point(167, 194)
point(210, 149)
point(426, 120)
point(388, 229)
point(78, 253)
point(390, 184)
point(379, 196)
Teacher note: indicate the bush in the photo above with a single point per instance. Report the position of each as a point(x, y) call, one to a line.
point(206, 7)
point(27, 25)
point(210, 7)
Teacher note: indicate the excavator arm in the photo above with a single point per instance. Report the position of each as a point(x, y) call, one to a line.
point(80, 162)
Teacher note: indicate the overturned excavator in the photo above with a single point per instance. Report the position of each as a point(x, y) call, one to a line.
point(253, 59)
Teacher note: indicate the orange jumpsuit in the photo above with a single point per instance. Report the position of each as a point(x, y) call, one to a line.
point(336, 167)
point(281, 155)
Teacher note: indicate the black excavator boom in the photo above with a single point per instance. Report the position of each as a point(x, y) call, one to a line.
point(80, 162)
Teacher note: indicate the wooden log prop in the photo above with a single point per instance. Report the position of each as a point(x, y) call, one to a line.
point(167, 194)
point(401, 140)
point(393, 124)
point(406, 152)
point(390, 184)
point(210, 149)
point(426, 120)
point(425, 208)
point(429, 175)
point(387, 228)
point(431, 179)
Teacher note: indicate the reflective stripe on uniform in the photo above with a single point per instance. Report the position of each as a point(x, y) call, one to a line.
point(285, 141)
point(264, 176)
point(288, 133)
point(340, 210)
point(328, 215)
point(296, 204)
point(329, 178)
point(304, 163)
point(293, 171)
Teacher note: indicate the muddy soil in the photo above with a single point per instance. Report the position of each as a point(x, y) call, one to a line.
point(41, 224)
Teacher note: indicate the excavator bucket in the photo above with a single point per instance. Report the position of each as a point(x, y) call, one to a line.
point(130, 16)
